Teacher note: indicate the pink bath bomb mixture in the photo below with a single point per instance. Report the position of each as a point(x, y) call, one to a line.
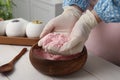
point(40, 53)
point(55, 40)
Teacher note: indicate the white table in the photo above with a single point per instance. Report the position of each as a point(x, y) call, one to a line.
point(94, 69)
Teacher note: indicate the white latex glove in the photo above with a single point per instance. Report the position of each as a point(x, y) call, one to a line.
point(62, 23)
point(79, 35)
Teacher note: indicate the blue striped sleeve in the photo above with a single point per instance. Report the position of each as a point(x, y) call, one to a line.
point(83, 4)
point(108, 10)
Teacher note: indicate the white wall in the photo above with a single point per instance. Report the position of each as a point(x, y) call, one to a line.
point(37, 9)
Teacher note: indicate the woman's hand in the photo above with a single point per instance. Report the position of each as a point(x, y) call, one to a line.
point(79, 34)
point(63, 23)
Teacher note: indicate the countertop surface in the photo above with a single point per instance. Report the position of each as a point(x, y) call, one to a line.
point(95, 68)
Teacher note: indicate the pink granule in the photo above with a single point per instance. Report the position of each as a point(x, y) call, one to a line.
point(54, 40)
point(40, 53)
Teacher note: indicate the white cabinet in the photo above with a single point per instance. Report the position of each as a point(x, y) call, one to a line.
point(37, 9)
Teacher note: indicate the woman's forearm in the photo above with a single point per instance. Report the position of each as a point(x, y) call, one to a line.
point(108, 10)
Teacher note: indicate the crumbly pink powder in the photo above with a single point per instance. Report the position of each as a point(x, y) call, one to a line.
point(45, 55)
point(55, 40)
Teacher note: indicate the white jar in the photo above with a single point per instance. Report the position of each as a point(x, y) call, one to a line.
point(2, 28)
point(15, 28)
point(34, 29)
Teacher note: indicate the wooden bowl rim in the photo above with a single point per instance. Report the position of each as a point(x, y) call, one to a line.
point(84, 51)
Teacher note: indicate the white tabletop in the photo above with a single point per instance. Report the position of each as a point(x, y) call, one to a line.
point(94, 69)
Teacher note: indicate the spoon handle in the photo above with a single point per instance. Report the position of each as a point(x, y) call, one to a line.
point(19, 55)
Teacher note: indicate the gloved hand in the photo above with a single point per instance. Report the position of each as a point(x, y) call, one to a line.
point(64, 22)
point(79, 35)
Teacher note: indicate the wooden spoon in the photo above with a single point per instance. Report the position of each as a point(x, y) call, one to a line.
point(10, 66)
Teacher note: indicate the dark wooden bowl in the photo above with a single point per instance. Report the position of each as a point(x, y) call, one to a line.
point(57, 67)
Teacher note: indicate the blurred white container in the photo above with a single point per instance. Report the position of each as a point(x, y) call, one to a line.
point(34, 29)
point(3, 27)
point(16, 28)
